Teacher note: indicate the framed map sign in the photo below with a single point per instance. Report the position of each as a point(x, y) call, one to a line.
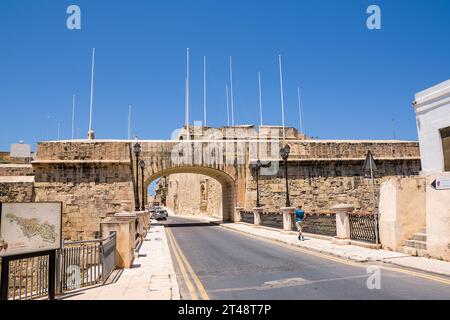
point(29, 227)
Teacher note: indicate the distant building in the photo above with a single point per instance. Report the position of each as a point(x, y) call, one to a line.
point(20, 153)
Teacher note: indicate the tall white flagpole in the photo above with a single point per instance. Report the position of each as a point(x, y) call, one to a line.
point(300, 111)
point(204, 91)
point(91, 132)
point(188, 136)
point(282, 95)
point(129, 122)
point(260, 99)
point(228, 106)
point(231, 90)
point(73, 117)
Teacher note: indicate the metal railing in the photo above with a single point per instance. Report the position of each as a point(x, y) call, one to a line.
point(78, 264)
point(86, 263)
point(362, 227)
point(318, 223)
point(272, 219)
point(248, 217)
point(28, 278)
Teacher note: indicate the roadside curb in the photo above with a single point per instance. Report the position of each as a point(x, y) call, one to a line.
point(397, 261)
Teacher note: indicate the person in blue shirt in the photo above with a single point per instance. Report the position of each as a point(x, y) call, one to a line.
point(299, 216)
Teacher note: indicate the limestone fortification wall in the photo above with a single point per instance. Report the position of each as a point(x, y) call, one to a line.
point(186, 196)
point(16, 189)
point(93, 180)
point(317, 185)
point(16, 170)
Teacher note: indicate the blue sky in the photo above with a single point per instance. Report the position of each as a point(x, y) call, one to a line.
point(354, 80)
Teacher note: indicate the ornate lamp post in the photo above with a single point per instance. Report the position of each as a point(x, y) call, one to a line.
point(257, 167)
point(137, 153)
point(284, 153)
point(142, 164)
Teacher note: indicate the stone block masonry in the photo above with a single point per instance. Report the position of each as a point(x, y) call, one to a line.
point(94, 178)
point(16, 189)
point(89, 193)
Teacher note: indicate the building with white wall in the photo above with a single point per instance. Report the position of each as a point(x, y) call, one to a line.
point(432, 108)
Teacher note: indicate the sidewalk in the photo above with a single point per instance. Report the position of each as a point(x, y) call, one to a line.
point(350, 252)
point(152, 276)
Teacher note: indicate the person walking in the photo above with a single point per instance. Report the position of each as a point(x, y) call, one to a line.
point(299, 215)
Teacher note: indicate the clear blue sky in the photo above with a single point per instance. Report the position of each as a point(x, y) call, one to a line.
point(354, 80)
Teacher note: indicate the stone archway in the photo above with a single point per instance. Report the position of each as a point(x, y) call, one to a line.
point(226, 181)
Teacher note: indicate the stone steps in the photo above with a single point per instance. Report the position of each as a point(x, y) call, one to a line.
point(414, 251)
point(420, 237)
point(416, 244)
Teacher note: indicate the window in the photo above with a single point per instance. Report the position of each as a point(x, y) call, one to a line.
point(445, 136)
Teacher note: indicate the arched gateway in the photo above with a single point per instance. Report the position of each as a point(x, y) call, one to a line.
point(94, 179)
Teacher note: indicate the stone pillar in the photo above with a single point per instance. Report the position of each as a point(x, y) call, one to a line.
point(287, 218)
point(237, 214)
point(123, 224)
point(257, 215)
point(342, 211)
point(141, 224)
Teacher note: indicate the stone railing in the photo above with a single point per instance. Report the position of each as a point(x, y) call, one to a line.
point(341, 223)
point(131, 229)
point(319, 223)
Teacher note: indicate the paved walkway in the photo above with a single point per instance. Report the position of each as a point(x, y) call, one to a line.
point(351, 252)
point(152, 276)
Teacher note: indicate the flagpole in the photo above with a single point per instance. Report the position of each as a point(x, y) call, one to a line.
point(300, 113)
point(188, 136)
point(91, 132)
point(231, 90)
point(282, 96)
point(228, 106)
point(129, 122)
point(73, 116)
point(260, 99)
point(204, 91)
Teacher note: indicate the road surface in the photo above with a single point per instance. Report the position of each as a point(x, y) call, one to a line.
point(216, 263)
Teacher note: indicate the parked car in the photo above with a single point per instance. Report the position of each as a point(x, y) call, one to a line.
point(160, 214)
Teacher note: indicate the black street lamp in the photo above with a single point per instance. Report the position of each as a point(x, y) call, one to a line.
point(137, 152)
point(142, 164)
point(284, 153)
point(257, 167)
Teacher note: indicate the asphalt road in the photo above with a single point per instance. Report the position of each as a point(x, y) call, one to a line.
point(215, 263)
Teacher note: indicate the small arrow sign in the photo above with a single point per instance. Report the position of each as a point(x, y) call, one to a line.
point(369, 162)
point(441, 184)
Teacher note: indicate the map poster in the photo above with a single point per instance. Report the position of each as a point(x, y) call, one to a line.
point(29, 227)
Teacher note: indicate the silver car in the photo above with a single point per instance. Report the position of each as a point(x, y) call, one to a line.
point(160, 214)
